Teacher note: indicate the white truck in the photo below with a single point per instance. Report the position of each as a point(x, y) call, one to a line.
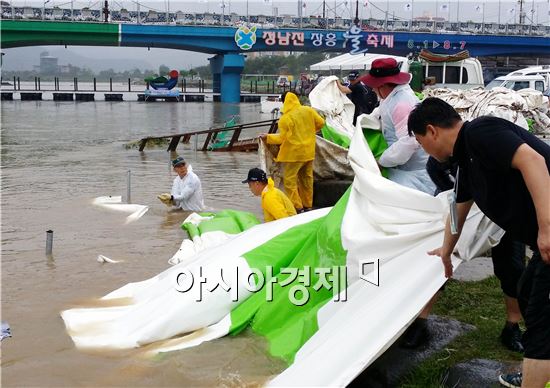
point(534, 77)
point(462, 74)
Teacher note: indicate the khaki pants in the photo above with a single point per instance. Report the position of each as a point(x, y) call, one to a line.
point(298, 182)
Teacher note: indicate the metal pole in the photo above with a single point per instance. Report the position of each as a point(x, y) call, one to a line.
point(137, 5)
point(499, 14)
point(521, 14)
point(49, 242)
point(196, 145)
point(387, 10)
point(43, 10)
point(129, 188)
point(72, 10)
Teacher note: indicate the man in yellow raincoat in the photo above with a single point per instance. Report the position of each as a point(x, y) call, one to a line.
point(275, 203)
point(297, 128)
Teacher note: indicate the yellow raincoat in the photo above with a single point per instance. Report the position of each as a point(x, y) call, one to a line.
point(275, 203)
point(297, 128)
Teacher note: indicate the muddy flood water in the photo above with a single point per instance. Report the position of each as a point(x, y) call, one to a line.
point(58, 157)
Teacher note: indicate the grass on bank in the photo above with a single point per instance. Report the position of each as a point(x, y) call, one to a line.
point(478, 303)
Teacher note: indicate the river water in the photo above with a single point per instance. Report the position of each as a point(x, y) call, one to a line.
point(56, 158)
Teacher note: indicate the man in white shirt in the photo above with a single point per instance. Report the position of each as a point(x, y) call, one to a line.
point(186, 191)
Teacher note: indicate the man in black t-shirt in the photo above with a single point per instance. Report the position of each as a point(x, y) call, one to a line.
point(505, 170)
point(363, 97)
point(508, 258)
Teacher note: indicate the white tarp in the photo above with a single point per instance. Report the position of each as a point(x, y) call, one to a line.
point(350, 62)
point(514, 106)
point(383, 221)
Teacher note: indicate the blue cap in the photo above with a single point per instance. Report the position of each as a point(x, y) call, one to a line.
point(179, 160)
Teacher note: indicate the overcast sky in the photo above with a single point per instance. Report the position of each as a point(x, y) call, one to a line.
point(26, 57)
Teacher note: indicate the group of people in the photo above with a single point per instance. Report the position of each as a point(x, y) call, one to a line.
point(496, 164)
point(296, 137)
point(502, 168)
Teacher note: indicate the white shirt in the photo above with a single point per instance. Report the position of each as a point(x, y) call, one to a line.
point(187, 192)
point(395, 109)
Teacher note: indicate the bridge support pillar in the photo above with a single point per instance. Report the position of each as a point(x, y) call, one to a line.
point(226, 70)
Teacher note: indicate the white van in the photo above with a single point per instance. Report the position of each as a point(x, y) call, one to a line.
point(533, 70)
point(518, 82)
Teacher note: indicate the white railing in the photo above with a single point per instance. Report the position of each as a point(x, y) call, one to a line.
point(263, 21)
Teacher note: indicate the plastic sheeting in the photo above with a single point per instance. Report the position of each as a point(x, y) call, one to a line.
point(382, 222)
point(395, 226)
point(114, 202)
point(514, 106)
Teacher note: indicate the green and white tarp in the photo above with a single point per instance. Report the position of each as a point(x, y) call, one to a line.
point(207, 230)
point(346, 321)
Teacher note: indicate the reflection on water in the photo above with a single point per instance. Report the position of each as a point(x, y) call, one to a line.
point(57, 157)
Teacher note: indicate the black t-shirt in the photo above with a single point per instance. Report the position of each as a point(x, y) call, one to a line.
point(364, 99)
point(484, 150)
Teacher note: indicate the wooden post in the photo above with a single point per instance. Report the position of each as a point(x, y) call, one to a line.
point(256, 86)
point(184, 87)
point(274, 126)
point(235, 137)
point(142, 143)
point(207, 141)
point(35, 83)
point(111, 84)
point(14, 87)
point(39, 88)
point(173, 143)
point(95, 85)
point(129, 85)
point(18, 83)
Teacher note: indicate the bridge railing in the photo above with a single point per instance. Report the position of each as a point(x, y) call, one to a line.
point(263, 21)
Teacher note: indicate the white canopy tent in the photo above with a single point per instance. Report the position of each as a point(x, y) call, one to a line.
point(351, 62)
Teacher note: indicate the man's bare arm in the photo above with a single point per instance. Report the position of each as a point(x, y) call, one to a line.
point(343, 89)
point(534, 170)
point(450, 240)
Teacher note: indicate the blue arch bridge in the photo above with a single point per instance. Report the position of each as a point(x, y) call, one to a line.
point(230, 44)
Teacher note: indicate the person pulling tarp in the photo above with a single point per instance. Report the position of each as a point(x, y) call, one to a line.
point(297, 127)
